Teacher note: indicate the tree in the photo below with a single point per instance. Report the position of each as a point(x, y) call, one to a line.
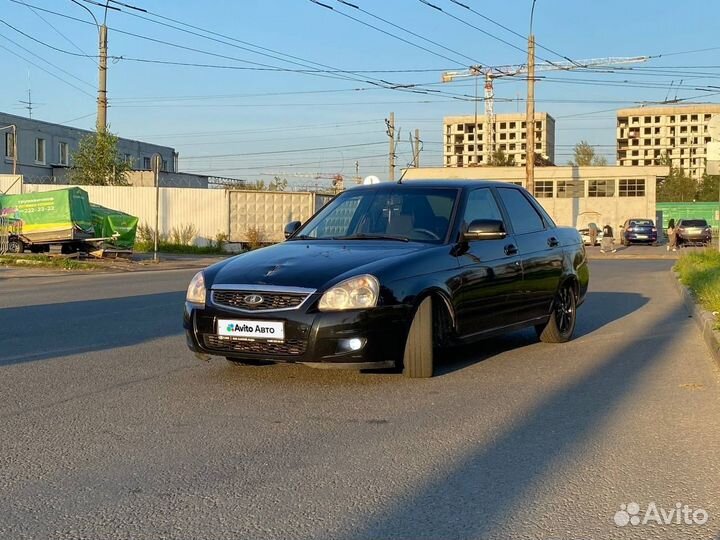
point(585, 156)
point(278, 184)
point(708, 189)
point(676, 187)
point(98, 163)
point(257, 185)
point(499, 159)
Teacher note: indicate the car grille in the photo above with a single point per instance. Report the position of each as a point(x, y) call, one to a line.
point(289, 347)
point(270, 300)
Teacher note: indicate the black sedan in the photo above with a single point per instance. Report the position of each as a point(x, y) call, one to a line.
point(386, 274)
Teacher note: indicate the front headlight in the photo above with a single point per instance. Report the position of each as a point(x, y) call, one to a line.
point(355, 293)
point(196, 290)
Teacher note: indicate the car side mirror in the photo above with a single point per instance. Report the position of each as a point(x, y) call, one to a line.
point(484, 229)
point(291, 227)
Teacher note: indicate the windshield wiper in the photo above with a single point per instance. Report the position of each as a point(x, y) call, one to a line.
point(362, 236)
point(308, 237)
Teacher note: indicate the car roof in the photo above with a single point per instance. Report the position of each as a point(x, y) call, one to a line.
point(444, 183)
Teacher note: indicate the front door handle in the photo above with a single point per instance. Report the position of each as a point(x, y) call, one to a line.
point(553, 242)
point(510, 249)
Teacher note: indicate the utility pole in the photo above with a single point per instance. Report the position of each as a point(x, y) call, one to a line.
point(417, 148)
point(357, 171)
point(391, 134)
point(530, 119)
point(102, 81)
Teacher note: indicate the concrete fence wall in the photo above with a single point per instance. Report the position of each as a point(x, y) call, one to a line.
point(210, 211)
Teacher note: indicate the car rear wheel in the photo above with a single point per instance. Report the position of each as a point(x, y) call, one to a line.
point(418, 356)
point(561, 325)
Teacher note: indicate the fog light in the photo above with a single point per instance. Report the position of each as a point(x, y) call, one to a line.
point(352, 344)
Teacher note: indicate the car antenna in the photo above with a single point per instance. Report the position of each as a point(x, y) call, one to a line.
point(402, 176)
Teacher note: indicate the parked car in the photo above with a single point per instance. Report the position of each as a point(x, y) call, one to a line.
point(585, 235)
point(639, 231)
point(693, 231)
point(386, 274)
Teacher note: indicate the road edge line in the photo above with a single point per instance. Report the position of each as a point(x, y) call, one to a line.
point(704, 319)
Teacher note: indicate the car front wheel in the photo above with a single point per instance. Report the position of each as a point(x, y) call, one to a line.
point(418, 356)
point(561, 325)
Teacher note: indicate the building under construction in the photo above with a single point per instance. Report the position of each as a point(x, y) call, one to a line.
point(468, 143)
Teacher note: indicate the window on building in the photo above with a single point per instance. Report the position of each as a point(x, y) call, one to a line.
point(503, 125)
point(567, 189)
point(694, 118)
point(544, 189)
point(601, 188)
point(39, 150)
point(632, 187)
point(146, 161)
point(657, 119)
point(512, 125)
point(523, 216)
point(63, 154)
point(10, 144)
point(683, 117)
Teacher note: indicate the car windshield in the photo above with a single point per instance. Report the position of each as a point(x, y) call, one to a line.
point(693, 223)
point(404, 213)
point(641, 223)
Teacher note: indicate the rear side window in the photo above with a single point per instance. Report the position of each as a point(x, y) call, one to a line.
point(523, 216)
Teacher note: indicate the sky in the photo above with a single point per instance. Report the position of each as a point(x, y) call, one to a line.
point(291, 88)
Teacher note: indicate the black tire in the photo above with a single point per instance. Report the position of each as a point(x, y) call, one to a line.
point(247, 362)
point(418, 355)
point(15, 245)
point(561, 325)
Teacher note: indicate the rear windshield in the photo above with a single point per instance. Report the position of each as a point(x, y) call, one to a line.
point(641, 223)
point(693, 223)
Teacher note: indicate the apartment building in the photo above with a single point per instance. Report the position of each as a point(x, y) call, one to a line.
point(646, 134)
point(573, 196)
point(44, 148)
point(466, 142)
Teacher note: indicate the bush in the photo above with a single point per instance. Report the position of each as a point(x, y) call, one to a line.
point(221, 239)
point(183, 235)
point(700, 271)
point(256, 238)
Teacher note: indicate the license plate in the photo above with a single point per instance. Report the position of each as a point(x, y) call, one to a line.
point(642, 236)
point(249, 329)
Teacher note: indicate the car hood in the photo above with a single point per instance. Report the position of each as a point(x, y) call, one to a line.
point(310, 264)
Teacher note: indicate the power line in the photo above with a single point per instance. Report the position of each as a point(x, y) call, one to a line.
point(394, 36)
point(40, 67)
point(271, 152)
point(60, 33)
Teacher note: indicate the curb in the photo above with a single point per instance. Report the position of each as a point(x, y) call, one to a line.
point(704, 319)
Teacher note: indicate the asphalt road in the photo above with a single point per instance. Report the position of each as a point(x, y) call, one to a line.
point(109, 428)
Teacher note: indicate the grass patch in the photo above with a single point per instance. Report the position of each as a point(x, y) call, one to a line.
point(169, 247)
point(700, 272)
point(44, 261)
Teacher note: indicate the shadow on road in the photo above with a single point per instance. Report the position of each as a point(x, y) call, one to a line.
point(39, 332)
point(598, 310)
point(481, 492)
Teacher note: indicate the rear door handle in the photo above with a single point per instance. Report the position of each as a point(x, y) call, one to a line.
point(510, 249)
point(553, 242)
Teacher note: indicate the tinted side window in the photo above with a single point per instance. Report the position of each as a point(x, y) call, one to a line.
point(523, 216)
point(481, 205)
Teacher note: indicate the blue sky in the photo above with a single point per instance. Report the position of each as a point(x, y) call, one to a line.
point(250, 123)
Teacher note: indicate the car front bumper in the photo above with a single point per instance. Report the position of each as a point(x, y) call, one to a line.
point(318, 339)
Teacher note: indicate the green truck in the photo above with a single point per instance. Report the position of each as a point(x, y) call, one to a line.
point(64, 218)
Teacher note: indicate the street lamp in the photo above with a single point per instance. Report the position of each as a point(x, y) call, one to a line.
point(14, 141)
point(101, 124)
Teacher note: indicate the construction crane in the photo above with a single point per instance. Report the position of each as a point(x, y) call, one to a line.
point(495, 72)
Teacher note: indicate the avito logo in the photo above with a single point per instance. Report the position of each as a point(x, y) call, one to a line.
point(680, 514)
